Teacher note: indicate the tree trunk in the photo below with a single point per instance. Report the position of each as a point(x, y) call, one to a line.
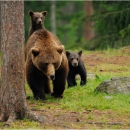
point(88, 30)
point(53, 16)
point(0, 25)
point(12, 91)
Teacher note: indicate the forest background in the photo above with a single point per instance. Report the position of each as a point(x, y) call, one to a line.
point(91, 25)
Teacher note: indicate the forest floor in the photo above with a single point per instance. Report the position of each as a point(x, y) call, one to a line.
point(106, 119)
point(101, 63)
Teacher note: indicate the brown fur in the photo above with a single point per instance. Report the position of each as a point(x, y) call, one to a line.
point(76, 66)
point(36, 21)
point(45, 59)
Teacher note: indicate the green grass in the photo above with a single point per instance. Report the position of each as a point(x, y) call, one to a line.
point(84, 98)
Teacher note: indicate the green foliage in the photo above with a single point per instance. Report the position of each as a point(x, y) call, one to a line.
point(111, 19)
point(125, 32)
point(111, 23)
point(69, 20)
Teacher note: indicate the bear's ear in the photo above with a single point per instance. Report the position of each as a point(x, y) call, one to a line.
point(35, 51)
point(31, 13)
point(67, 53)
point(60, 49)
point(80, 52)
point(44, 13)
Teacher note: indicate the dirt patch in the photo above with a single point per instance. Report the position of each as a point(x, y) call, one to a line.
point(92, 61)
point(89, 119)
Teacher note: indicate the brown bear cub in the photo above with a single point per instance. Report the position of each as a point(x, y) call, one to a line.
point(45, 60)
point(36, 20)
point(76, 66)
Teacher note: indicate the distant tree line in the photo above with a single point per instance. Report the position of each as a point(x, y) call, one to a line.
point(109, 22)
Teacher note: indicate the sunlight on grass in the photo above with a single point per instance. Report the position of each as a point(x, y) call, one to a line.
point(25, 124)
point(84, 98)
point(116, 52)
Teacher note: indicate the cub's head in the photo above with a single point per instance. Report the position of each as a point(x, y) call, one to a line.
point(47, 60)
point(73, 58)
point(37, 17)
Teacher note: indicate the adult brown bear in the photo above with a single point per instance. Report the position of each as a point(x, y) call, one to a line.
point(45, 60)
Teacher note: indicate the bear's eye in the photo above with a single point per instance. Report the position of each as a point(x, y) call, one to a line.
point(36, 18)
point(41, 17)
point(77, 59)
point(45, 64)
point(72, 59)
point(55, 64)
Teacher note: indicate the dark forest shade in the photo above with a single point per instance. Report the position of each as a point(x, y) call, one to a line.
point(110, 22)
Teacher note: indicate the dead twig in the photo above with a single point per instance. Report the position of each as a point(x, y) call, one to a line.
point(106, 123)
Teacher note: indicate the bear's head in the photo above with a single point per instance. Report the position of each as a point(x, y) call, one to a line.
point(73, 57)
point(47, 60)
point(37, 17)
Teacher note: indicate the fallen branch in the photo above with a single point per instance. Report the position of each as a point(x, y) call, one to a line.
point(104, 123)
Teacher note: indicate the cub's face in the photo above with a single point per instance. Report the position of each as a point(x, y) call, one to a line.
point(73, 58)
point(47, 61)
point(37, 17)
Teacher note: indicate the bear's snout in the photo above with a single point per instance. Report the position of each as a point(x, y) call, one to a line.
point(50, 72)
point(39, 22)
point(52, 77)
point(75, 64)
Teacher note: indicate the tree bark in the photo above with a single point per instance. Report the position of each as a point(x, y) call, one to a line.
point(12, 91)
point(0, 25)
point(88, 30)
point(53, 16)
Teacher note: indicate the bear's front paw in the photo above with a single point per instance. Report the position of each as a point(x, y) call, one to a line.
point(75, 84)
point(28, 97)
point(40, 97)
point(82, 83)
point(57, 95)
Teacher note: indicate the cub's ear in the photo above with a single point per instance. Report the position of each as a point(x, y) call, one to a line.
point(44, 13)
point(60, 49)
point(67, 53)
point(35, 51)
point(31, 13)
point(80, 53)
